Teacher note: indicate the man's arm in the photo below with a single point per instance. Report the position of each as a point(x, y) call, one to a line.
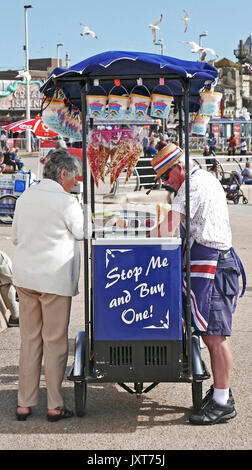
point(168, 227)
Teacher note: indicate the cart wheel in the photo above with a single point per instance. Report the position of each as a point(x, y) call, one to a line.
point(7, 208)
point(197, 395)
point(236, 199)
point(80, 395)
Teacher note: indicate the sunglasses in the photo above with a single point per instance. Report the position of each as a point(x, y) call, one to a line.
point(165, 175)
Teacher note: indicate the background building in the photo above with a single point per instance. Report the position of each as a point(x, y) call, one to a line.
point(13, 90)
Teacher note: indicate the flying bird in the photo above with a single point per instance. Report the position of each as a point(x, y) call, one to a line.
point(202, 51)
point(186, 19)
point(23, 74)
point(154, 27)
point(87, 32)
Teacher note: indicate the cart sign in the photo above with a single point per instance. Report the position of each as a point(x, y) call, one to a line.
point(137, 291)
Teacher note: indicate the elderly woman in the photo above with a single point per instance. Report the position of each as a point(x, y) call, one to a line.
point(47, 224)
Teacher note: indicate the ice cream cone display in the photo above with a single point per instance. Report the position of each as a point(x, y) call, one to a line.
point(160, 105)
point(93, 159)
point(133, 159)
point(199, 125)
point(210, 103)
point(104, 154)
point(110, 152)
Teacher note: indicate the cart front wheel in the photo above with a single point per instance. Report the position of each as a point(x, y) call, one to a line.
point(197, 395)
point(80, 395)
point(7, 208)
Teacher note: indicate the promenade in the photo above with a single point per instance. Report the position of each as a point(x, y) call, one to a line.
point(116, 420)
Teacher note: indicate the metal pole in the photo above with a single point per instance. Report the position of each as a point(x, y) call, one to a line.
point(186, 85)
point(28, 116)
point(86, 224)
point(180, 110)
point(58, 57)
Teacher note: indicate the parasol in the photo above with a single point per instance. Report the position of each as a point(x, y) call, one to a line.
point(37, 126)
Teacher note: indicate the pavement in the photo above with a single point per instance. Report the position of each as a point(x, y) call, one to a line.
point(116, 420)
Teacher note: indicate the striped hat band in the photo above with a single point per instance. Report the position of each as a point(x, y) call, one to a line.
point(165, 158)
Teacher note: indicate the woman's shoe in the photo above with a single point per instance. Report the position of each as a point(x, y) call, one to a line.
point(23, 416)
point(63, 413)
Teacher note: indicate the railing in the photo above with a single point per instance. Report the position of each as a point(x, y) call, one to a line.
point(18, 143)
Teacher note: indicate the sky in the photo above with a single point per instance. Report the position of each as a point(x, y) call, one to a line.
point(119, 26)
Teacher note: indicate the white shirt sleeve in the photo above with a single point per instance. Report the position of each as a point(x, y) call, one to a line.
point(74, 221)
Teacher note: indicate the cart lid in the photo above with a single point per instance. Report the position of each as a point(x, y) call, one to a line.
point(128, 65)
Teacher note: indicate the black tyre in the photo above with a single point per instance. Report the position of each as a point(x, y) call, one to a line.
point(236, 199)
point(197, 395)
point(80, 395)
point(244, 200)
point(7, 208)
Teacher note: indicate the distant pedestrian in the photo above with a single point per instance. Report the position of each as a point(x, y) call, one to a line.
point(243, 148)
point(212, 144)
point(231, 146)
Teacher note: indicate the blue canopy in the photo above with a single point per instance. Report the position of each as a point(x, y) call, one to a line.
point(127, 66)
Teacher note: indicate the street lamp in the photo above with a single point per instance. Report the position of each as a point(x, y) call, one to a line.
point(201, 36)
point(28, 77)
point(160, 43)
point(58, 46)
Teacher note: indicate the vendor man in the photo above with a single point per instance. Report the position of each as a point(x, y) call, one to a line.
point(215, 268)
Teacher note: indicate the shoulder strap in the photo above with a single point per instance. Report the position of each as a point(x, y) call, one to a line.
point(241, 269)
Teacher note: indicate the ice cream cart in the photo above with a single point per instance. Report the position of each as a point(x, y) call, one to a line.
point(135, 331)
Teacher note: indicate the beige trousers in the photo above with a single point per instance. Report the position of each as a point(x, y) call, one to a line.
point(43, 320)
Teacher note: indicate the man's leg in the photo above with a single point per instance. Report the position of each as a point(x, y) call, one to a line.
point(221, 359)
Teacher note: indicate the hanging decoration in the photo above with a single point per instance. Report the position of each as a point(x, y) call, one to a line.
point(109, 152)
point(210, 102)
point(62, 117)
point(199, 124)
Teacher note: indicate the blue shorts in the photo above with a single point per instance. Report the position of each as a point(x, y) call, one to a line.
point(225, 291)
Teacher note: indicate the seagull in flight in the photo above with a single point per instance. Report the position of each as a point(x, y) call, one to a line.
point(24, 74)
point(154, 27)
point(87, 32)
point(202, 51)
point(186, 19)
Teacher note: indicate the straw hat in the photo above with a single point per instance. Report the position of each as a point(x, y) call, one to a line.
point(165, 158)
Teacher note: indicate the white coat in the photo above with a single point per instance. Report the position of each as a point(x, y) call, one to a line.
point(47, 223)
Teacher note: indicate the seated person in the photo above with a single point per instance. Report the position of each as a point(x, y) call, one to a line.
point(215, 170)
point(14, 155)
point(2, 165)
point(207, 153)
point(162, 143)
point(247, 174)
point(7, 290)
point(9, 160)
point(151, 150)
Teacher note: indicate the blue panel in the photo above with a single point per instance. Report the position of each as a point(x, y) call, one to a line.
point(19, 186)
point(137, 292)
